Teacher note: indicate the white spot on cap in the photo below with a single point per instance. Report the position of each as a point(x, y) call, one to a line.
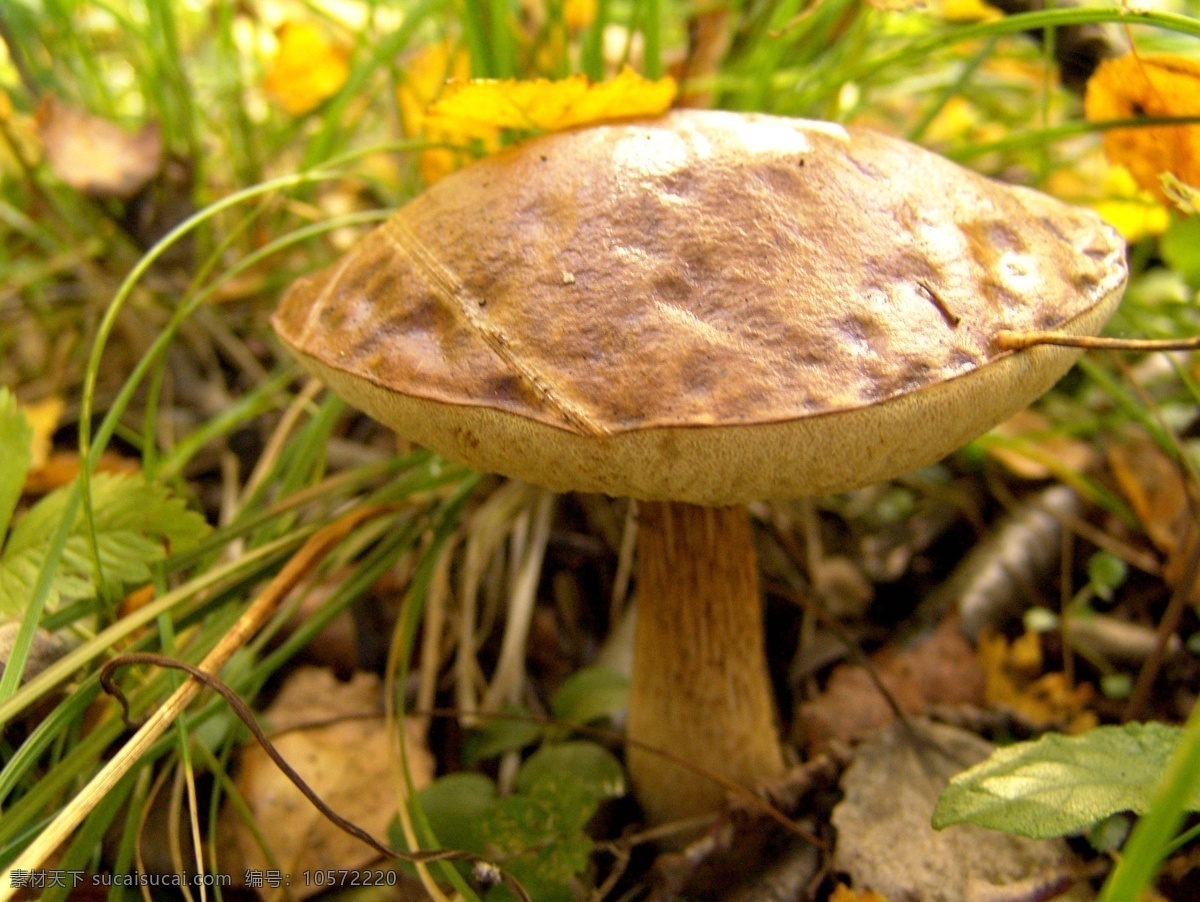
point(651, 154)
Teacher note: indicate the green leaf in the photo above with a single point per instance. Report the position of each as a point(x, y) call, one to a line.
point(540, 836)
point(587, 765)
point(540, 831)
point(1059, 785)
point(1106, 572)
point(501, 734)
point(1180, 248)
point(1183, 195)
point(454, 805)
point(137, 524)
point(589, 695)
point(15, 437)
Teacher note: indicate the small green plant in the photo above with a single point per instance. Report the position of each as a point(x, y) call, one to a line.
point(537, 833)
point(135, 522)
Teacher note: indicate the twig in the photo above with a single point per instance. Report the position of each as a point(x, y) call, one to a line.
point(1017, 341)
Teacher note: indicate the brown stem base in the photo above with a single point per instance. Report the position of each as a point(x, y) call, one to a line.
point(700, 685)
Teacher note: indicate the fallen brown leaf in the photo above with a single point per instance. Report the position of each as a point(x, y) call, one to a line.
point(95, 156)
point(843, 893)
point(334, 735)
point(941, 670)
point(1154, 487)
point(62, 467)
point(1015, 683)
point(884, 839)
point(1036, 446)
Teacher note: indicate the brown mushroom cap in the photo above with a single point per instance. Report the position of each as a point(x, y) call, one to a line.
point(710, 307)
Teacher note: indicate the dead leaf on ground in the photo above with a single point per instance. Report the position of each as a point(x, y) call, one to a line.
point(1154, 487)
point(334, 735)
point(61, 468)
point(843, 893)
point(48, 469)
point(884, 839)
point(43, 417)
point(1015, 682)
point(95, 156)
point(942, 670)
point(1160, 86)
point(1038, 451)
point(1111, 191)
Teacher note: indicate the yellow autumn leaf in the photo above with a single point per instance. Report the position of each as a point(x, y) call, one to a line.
point(307, 69)
point(579, 13)
point(1135, 86)
point(43, 417)
point(963, 11)
point(1111, 191)
point(424, 80)
point(549, 105)
point(843, 893)
point(1011, 681)
point(1135, 213)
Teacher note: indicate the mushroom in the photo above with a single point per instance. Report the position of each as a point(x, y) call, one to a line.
point(698, 311)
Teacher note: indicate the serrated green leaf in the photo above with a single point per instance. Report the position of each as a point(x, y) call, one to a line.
point(590, 694)
point(1058, 785)
point(15, 437)
point(584, 764)
point(137, 523)
point(540, 836)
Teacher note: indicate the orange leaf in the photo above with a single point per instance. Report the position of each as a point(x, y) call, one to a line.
point(1134, 86)
point(843, 893)
point(547, 105)
point(308, 68)
point(1012, 683)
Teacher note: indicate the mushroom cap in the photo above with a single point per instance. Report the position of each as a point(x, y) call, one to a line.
point(710, 307)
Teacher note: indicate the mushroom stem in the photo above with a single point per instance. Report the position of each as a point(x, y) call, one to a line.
point(700, 686)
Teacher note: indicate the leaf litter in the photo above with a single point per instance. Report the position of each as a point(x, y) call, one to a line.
point(335, 735)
